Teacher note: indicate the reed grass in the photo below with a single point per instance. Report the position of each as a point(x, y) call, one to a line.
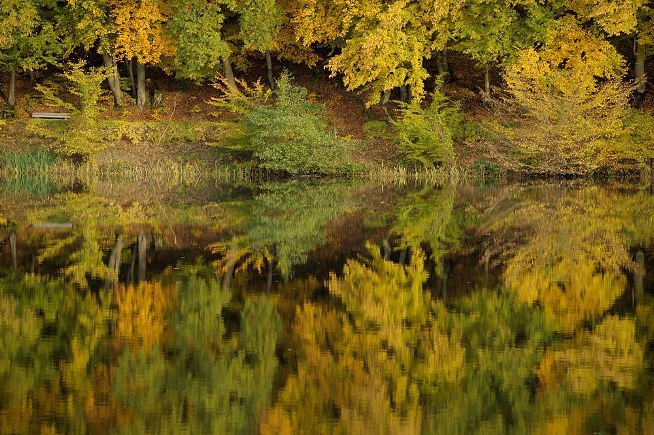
point(25, 163)
point(27, 171)
point(399, 175)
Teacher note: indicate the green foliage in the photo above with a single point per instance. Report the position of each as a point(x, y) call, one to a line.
point(79, 136)
point(428, 217)
point(226, 389)
point(639, 146)
point(28, 39)
point(27, 172)
point(493, 31)
point(160, 132)
point(427, 135)
point(197, 28)
point(24, 163)
point(290, 135)
point(260, 22)
point(270, 226)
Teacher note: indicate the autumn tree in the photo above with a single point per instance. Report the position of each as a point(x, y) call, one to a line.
point(572, 97)
point(491, 32)
point(623, 17)
point(260, 22)
point(573, 252)
point(141, 35)
point(91, 26)
point(388, 43)
point(27, 40)
point(268, 237)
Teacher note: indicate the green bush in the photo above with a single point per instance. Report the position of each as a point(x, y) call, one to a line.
point(290, 134)
point(427, 135)
point(639, 146)
point(81, 135)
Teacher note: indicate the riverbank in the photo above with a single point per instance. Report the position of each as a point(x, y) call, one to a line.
point(181, 139)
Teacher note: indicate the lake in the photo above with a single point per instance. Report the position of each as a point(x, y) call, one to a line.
point(317, 307)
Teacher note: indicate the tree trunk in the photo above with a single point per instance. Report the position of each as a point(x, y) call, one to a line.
point(386, 96)
point(114, 261)
point(639, 288)
point(404, 94)
point(132, 80)
point(387, 249)
point(11, 99)
point(639, 67)
point(141, 92)
point(114, 77)
point(403, 255)
point(487, 89)
point(442, 65)
point(443, 68)
point(439, 63)
point(229, 72)
point(271, 266)
point(142, 249)
point(116, 254)
point(227, 278)
point(271, 79)
point(445, 269)
point(14, 255)
point(130, 70)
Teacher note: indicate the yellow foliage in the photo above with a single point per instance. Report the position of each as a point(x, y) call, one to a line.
point(326, 381)
point(575, 252)
point(572, 97)
point(140, 30)
point(387, 44)
point(608, 354)
point(142, 313)
point(614, 16)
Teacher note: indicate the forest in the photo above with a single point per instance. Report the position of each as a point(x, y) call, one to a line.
point(555, 87)
point(327, 216)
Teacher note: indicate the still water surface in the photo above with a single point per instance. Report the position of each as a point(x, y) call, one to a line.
point(327, 307)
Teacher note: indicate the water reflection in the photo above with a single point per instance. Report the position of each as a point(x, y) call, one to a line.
point(576, 249)
point(281, 225)
point(244, 315)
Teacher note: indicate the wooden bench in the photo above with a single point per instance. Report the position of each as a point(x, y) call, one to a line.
point(53, 226)
point(51, 116)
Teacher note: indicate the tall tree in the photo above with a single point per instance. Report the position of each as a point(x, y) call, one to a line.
point(573, 96)
point(644, 44)
point(27, 40)
point(388, 43)
point(197, 27)
point(260, 23)
point(141, 35)
point(493, 31)
point(622, 17)
point(89, 24)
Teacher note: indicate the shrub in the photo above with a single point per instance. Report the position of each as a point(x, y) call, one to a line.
point(570, 99)
point(289, 134)
point(427, 135)
point(79, 136)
